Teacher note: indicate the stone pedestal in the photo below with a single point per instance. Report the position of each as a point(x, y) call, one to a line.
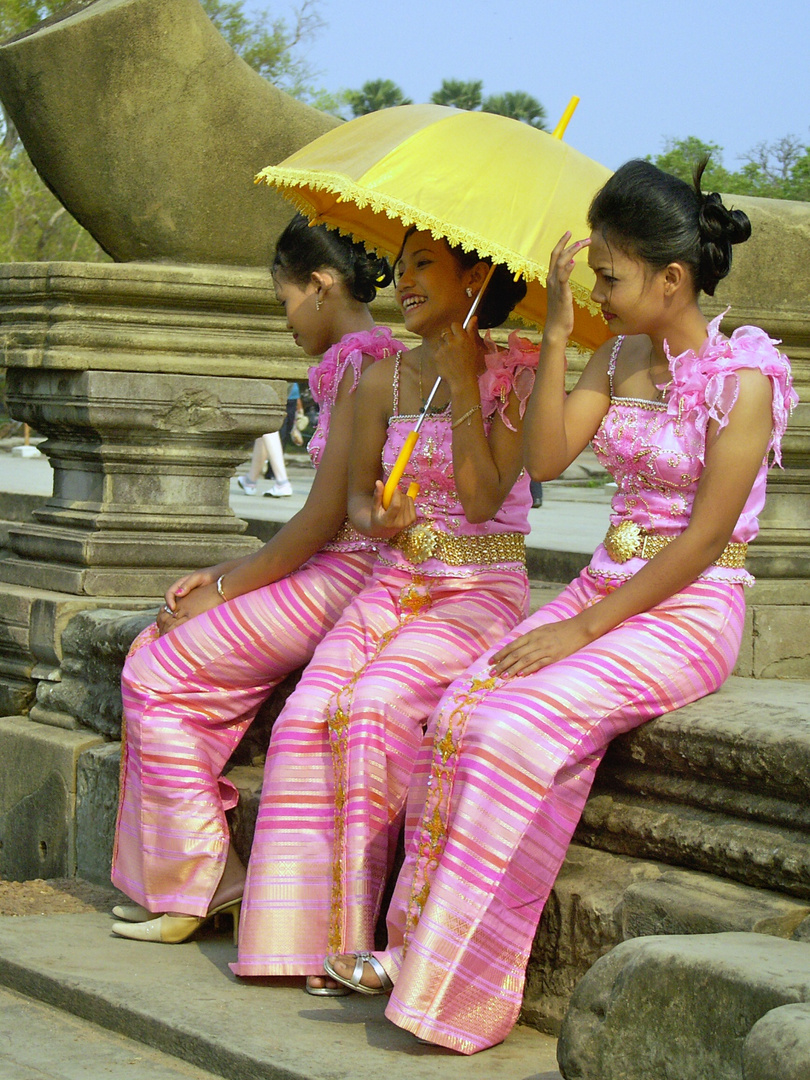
point(150, 383)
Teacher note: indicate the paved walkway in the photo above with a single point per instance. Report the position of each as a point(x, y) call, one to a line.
point(572, 518)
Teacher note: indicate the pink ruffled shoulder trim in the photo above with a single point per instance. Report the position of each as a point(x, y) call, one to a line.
point(705, 384)
point(510, 369)
point(326, 376)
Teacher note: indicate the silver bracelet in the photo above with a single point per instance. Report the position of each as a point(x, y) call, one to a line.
point(220, 590)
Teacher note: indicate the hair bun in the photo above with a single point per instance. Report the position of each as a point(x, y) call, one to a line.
point(719, 224)
point(719, 229)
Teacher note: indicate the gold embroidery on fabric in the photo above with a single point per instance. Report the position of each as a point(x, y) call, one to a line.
point(433, 829)
point(414, 598)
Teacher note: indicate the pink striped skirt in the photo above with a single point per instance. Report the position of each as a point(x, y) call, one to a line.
point(188, 699)
point(498, 788)
point(341, 755)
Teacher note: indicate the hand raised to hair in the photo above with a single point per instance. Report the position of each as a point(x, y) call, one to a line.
point(560, 317)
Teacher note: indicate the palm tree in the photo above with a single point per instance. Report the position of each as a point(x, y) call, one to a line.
point(459, 94)
point(374, 95)
point(519, 105)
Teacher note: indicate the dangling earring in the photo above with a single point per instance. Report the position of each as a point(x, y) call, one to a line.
point(318, 302)
point(469, 291)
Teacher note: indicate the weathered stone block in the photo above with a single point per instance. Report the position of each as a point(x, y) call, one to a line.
point(88, 689)
point(685, 902)
point(778, 1045)
point(96, 806)
point(582, 921)
point(678, 1007)
point(38, 798)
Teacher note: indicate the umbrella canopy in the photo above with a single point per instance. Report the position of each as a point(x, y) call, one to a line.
point(481, 180)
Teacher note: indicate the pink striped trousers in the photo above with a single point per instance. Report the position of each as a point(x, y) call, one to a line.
point(188, 699)
point(498, 788)
point(341, 755)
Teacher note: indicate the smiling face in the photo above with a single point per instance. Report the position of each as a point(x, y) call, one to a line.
point(628, 290)
point(310, 332)
point(430, 285)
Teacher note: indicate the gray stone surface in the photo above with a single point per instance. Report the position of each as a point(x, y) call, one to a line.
point(97, 775)
point(778, 1045)
point(41, 1042)
point(679, 1007)
point(38, 798)
point(184, 1001)
point(149, 129)
point(721, 785)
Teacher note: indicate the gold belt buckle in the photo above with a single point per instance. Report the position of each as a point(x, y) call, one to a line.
point(623, 541)
point(418, 543)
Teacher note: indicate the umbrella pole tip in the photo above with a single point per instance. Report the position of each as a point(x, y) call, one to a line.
point(559, 130)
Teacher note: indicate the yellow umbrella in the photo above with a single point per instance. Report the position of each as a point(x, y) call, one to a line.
point(484, 181)
point(480, 180)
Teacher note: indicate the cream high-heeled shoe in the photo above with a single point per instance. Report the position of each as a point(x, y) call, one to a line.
point(175, 929)
point(132, 913)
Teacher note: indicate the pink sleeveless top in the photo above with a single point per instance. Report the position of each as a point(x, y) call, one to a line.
point(325, 377)
point(655, 450)
point(431, 464)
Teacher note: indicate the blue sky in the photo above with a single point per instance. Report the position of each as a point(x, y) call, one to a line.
point(731, 72)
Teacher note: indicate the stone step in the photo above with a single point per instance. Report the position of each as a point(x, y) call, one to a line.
point(183, 1001)
point(725, 1006)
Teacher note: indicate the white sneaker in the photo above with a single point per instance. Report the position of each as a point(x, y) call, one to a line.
point(246, 485)
point(279, 490)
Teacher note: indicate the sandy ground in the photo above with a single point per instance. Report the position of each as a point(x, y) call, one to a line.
point(59, 896)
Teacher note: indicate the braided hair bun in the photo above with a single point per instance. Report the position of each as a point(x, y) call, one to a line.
point(303, 248)
point(720, 228)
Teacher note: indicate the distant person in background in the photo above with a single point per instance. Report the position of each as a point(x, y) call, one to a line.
point(267, 449)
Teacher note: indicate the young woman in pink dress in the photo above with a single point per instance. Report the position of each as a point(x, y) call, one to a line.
point(684, 418)
point(233, 631)
point(449, 581)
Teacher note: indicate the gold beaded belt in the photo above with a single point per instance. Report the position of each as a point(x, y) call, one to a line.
point(628, 540)
point(420, 542)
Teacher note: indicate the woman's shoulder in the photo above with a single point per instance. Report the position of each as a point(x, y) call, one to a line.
point(353, 351)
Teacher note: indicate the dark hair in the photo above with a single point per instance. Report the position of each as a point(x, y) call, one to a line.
point(303, 248)
point(658, 218)
point(500, 296)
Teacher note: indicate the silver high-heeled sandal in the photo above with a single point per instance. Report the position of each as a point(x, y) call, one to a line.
point(353, 981)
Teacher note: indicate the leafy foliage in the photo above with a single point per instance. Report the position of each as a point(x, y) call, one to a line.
point(459, 94)
point(375, 94)
point(519, 105)
point(776, 170)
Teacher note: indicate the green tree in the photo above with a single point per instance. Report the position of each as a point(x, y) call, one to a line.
point(680, 157)
point(271, 47)
point(459, 94)
point(775, 170)
point(779, 169)
point(519, 105)
point(374, 95)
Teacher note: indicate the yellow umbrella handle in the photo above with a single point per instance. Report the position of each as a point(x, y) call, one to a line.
point(399, 468)
point(559, 130)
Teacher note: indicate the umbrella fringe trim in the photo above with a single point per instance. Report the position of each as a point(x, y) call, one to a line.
point(290, 182)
